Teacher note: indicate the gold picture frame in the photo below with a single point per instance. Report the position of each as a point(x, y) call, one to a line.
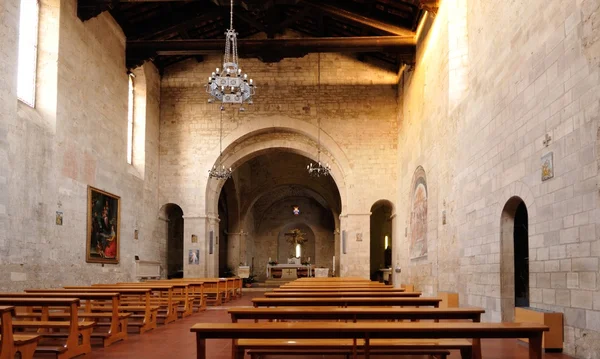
point(103, 240)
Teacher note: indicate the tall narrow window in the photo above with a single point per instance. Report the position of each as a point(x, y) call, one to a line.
point(28, 38)
point(130, 120)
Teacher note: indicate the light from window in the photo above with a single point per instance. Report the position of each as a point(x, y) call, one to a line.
point(298, 250)
point(387, 243)
point(28, 38)
point(130, 121)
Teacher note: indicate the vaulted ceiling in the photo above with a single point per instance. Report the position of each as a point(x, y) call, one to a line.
point(169, 31)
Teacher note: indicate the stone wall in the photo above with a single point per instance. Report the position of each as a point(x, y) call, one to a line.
point(492, 81)
point(358, 109)
point(75, 137)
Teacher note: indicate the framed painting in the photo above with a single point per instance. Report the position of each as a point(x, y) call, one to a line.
point(103, 227)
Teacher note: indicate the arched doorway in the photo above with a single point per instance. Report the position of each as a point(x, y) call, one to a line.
point(381, 240)
point(174, 215)
point(514, 264)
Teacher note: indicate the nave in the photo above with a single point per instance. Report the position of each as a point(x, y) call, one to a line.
point(180, 308)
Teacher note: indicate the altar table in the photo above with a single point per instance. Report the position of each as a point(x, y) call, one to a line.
point(290, 267)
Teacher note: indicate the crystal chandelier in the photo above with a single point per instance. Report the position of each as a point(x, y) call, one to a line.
point(319, 169)
point(229, 85)
point(220, 172)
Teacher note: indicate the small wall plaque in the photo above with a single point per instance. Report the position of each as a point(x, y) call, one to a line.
point(547, 166)
point(444, 217)
point(135, 234)
point(194, 238)
point(359, 237)
point(59, 218)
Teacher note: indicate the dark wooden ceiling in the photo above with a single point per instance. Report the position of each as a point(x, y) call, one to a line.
point(169, 31)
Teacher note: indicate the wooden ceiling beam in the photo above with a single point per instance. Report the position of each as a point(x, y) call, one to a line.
point(295, 47)
point(359, 19)
point(430, 5)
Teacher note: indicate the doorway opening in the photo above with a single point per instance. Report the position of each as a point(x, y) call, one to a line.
point(174, 215)
point(381, 241)
point(514, 257)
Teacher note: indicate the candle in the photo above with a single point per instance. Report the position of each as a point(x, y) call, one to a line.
point(308, 260)
point(269, 259)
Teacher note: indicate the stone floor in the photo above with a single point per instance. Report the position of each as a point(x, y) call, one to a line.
point(175, 341)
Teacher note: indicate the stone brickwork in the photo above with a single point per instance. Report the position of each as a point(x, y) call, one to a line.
point(358, 109)
point(76, 137)
point(477, 125)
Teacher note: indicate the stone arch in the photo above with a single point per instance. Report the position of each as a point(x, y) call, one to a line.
point(173, 215)
point(213, 188)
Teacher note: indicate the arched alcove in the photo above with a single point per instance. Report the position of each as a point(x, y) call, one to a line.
point(174, 215)
point(514, 257)
point(381, 239)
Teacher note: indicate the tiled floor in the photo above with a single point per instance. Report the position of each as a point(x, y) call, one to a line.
point(175, 341)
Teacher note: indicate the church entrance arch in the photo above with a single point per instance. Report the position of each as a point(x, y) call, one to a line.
point(381, 240)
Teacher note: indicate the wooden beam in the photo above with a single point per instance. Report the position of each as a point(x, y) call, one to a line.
point(296, 47)
point(359, 19)
point(430, 5)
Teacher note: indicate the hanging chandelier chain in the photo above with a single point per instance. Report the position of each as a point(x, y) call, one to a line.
point(318, 102)
point(231, 16)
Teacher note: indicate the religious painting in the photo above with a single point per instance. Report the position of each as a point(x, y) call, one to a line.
point(194, 238)
point(418, 215)
point(59, 218)
point(194, 257)
point(547, 166)
point(103, 227)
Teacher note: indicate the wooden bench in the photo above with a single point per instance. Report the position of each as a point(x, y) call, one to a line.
point(144, 315)
point(115, 321)
point(160, 295)
point(176, 303)
point(196, 296)
point(358, 313)
point(345, 302)
point(215, 289)
point(341, 294)
point(257, 348)
point(53, 333)
point(366, 331)
point(11, 343)
point(355, 313)
point(339, 289)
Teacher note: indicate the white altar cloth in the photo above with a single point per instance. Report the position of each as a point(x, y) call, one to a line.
point(288, 266)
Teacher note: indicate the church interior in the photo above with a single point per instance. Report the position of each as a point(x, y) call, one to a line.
point(358, 178)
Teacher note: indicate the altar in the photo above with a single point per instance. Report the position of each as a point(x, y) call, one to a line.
point(289, 271)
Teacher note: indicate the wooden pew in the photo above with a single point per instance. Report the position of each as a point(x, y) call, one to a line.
point(340, 289)
point(341, 294)
point(78, 332)
point(117, 320)
point(364, 333)
point(196, 296)
point(161, 295)
point(145, 321)
point(215, 289)
point(181, 300)
point(11, 343)
point(345, 302)
point(355, 313)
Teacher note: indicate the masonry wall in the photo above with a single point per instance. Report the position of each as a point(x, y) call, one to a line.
point(75, 137)
point(492, 80)
point(357, 107)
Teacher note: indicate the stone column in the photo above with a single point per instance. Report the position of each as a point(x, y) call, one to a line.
point(236, 250)
point(335, 269)
point(201, 227)
point(355, 262)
